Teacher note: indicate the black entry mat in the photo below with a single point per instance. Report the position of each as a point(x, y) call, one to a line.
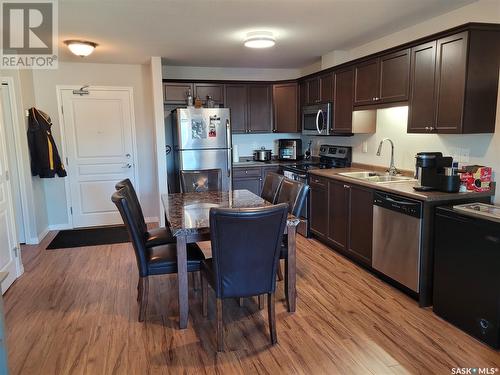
point(89, 237)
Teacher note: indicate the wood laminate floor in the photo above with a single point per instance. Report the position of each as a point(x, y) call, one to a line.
point(74, 311)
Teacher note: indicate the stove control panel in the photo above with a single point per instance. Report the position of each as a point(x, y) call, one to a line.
point(340, 152)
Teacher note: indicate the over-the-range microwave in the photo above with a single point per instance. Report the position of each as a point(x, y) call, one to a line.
point(317, 119)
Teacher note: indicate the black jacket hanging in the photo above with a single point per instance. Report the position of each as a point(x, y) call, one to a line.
point(45, 160)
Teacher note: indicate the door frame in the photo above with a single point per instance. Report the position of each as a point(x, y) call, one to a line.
point(64, 148)
point(17, 255)
point(20, 156)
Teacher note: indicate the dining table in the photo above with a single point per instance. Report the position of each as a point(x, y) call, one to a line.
point(187, 216)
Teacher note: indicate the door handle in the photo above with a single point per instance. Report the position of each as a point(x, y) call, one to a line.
point(128, 156)
point(126, 166)
point(317, 121)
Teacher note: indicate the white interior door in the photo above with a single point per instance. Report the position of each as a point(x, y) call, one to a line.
point(100, 148)
point(8, 240)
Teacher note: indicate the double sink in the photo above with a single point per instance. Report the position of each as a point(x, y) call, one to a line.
point(375, 177)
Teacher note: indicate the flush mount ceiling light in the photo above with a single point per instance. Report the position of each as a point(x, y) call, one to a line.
point(260, 39)
point(81, 48)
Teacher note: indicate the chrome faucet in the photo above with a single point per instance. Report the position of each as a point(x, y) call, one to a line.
point(392, 168)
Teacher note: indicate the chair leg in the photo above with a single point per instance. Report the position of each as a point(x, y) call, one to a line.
point(144, 282)
point(261, 301)
point(272, 318)
point(220, 326)
point(240, 301)
point(194, 280)
point(286, 282)
point(280, 272)
point(139, 291)
point(204, 295)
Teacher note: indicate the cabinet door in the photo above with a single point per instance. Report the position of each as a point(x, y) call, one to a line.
point(421, 109)
point(342, 104)
point(313, 91)
point(302, 95)
point(451, 64)
point(394, 76)
point(326, 88)
point(236, 100)
point(260, 109)
point(366, 82)
point(360, 223)
point(285, 102)
point(251, 184)
point(338, 213)
point(215, 90)
point(318, 196)
point(176, 93)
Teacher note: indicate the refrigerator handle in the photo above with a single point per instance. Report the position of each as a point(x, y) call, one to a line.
point(229, 149)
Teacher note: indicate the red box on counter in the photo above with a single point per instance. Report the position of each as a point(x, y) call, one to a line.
point(476, 177)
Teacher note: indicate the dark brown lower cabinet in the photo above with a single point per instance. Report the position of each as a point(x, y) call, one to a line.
point(251, 178)
point(338, 213)
point(252, 183)
point(360, 223)
point(342, 216)
point(318, 196)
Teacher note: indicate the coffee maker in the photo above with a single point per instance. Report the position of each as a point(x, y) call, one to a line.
point(435, 172)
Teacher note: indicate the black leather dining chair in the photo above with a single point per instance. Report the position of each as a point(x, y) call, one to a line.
point(155, 236)
point(271, 187)
point(246, 244)
point(156, 260)
point(202, 180)
point(294, 193)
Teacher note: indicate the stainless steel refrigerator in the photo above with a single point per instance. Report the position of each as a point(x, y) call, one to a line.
point(202, 140)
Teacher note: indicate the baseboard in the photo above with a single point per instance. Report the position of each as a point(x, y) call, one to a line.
point(152, 219)
point(60, 226)
point(41, 236)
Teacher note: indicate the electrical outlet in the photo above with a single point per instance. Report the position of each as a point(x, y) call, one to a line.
point(365, 147)
point(464, 155)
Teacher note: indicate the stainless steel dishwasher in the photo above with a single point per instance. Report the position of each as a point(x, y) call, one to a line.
point(397, 238)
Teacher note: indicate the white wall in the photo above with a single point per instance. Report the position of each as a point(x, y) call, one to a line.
point(224, 73)
point(136, 76)
point(481, 11)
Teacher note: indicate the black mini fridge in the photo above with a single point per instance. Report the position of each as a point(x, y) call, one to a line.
point(467, 273)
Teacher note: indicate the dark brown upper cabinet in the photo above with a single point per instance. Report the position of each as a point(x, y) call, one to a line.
point(366, 82)
point(394, 76)
point(285, 104)
point(383, 79)
point(176, 93)
point(343, 99)
point(454, 84)
point(326, 88)
point(237, 101)
point(260, 111)
point(421, 107)
point(215, 90)
point(303, 97)
point(313, 91)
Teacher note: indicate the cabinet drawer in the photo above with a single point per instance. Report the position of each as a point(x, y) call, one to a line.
point(318, 182)
point(246, 172)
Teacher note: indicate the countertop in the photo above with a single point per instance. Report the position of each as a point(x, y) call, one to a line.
point(404, 188)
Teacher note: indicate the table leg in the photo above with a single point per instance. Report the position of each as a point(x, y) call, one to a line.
point(182, 277)
point(291, 270)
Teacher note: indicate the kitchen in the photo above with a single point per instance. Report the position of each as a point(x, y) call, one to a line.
point(386, 126)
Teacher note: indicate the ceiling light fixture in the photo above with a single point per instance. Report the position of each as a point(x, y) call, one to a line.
point(81, 48)
point(260, 39)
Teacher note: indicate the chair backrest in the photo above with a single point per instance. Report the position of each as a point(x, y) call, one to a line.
point(271, 186)
point(294, 193)
point(201, 180)
point(121, 199)
point(134, 203)
point(246, 246)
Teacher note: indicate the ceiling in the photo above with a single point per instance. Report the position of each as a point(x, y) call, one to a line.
point(211, 32)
